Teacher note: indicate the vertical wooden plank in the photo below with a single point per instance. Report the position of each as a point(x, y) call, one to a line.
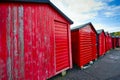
point(34, 48)
point(11, 41)
point(28, 42)
point(9, 63)
point(3, 54)
point(39, 53)
point(40, 42)
point(46, 41)
point(69, 45)
point(15, 43)
point(51, 61)
point(51, 68)
point(21, 42)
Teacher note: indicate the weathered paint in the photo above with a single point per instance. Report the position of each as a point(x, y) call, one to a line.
point(27, 41)
point(84, 48)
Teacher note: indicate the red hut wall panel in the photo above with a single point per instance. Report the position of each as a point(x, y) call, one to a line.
point(114, 42)
point(110, 42)
point(94, 44)
point(101, 42)
point(119, 42)
point(3, 46)
point(75, 47)
point(29, 41)
point(106, 44)
point(83, 45)
point(62, 49)
point(107, 41)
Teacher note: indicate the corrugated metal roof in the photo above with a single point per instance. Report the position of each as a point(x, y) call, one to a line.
point(42, 1)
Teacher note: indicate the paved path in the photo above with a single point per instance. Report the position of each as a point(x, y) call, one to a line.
point(106, 67)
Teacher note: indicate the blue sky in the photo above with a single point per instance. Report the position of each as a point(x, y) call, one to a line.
point(104, 14)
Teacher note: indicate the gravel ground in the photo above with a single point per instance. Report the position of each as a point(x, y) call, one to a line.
point(106, 67)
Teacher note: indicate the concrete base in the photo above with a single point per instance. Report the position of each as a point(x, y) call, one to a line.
point(63, 73)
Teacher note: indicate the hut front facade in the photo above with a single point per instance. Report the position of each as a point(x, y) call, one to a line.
point(107, 41)
point(101, 42)
point(34, 40)
point(113, 42)
point(84, 47)
point(117, 41)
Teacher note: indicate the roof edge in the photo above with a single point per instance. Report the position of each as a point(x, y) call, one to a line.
point(42, 1)
point(80, 26)
point(34, 1)
point(67, 18)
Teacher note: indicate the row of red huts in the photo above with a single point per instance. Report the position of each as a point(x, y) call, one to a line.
point(36, 41)
point(88, 44)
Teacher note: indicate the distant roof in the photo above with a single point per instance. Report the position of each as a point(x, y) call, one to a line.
point(115, 36)
point(42, 1)
point(100, 31)
point(82, 26)
point(106, 33)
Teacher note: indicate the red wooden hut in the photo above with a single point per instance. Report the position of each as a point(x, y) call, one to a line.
point(101, 42)
point(84, 47)
point(35, 41)
point(117, 41)
point(107, 41)
point(113, 42)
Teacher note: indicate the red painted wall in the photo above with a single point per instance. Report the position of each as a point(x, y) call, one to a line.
point(101, 44)
point(114, 42)
point(119, 42)
point(27, 41)
point(83, 45)
point(108, 42)
point(75, 46)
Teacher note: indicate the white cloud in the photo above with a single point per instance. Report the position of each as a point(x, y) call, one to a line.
point(106, 0)
point(109, 14)
point(79, 10)
point(111, 11)
point(106, 27)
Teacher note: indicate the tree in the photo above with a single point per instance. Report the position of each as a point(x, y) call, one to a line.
point(115, 34)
